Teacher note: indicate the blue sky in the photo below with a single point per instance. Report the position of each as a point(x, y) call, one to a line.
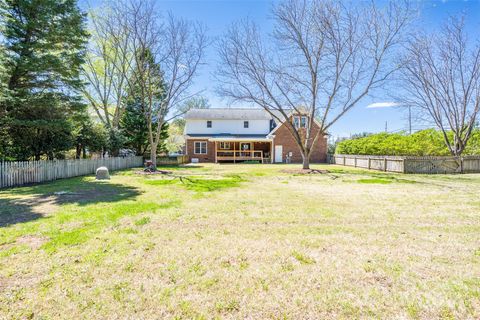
point(217, 15)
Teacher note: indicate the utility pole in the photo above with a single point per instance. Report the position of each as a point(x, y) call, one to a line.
point(386, 126)
point(410, 119)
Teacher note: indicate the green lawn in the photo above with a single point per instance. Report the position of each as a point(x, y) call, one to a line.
point(243, 241)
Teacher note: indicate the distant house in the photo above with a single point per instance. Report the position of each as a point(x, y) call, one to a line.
point(245, 134)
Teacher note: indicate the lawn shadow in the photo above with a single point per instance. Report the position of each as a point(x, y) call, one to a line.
point(32, 203)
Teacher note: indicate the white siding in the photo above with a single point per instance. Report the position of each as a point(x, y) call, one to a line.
point(227, 126)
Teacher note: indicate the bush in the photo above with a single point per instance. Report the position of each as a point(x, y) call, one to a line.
point(428, 142)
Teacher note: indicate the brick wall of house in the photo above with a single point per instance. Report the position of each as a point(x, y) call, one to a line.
point(284, 137)
point(190, 148)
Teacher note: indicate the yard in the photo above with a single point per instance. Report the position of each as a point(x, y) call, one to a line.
point(242, 241)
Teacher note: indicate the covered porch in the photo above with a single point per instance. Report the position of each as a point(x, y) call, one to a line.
point(236, 150)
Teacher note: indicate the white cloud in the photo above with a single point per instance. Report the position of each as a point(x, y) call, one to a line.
point(383, 105)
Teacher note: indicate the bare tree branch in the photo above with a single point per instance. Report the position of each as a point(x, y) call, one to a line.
point(441, 76)
point(322, 59)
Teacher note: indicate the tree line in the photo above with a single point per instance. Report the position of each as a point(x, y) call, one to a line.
point(119, 76)
point(113, 79)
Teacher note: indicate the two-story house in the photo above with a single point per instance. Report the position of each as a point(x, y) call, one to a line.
point(245, 134)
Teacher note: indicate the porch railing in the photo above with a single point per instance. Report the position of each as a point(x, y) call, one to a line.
point(240, 155)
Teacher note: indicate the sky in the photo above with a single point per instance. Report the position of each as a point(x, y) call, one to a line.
point(218, 15)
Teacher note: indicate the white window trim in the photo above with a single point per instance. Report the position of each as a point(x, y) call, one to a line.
point(249, 146)
point(306, 121)
point(299, 123)
point(195, 147)
point(295, 123)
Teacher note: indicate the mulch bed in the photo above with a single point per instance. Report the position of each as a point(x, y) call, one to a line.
point(305, 171)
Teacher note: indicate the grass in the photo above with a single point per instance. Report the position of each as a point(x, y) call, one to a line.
point(243, 241)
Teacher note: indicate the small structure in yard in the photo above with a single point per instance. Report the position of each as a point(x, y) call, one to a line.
point(102, 174)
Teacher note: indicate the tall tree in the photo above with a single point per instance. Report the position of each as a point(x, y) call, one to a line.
point(106, 66)
point(441, 79)
point(322, 59)
point(168, 51)
point(134, 121)
point(44, 44)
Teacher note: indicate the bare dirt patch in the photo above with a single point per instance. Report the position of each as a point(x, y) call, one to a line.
point(305, 171)
point(148, 173)
point(33, 241)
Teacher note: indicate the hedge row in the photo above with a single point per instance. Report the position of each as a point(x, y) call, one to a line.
point(428, 142)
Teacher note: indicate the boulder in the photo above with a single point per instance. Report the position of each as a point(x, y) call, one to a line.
point(102, 173)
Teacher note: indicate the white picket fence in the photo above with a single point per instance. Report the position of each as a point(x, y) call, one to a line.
point(21, 173)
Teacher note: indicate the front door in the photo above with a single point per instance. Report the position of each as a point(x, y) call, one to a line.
point(278, 154)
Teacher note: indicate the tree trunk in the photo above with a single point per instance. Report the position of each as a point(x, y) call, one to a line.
point(306, 162)
point(153, 156)
point(78, 151)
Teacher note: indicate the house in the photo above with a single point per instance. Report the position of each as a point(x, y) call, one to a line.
point(245, 134)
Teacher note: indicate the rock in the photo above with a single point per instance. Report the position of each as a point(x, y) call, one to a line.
point(102, 174)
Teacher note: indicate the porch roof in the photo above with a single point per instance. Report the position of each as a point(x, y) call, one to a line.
point(231, 137)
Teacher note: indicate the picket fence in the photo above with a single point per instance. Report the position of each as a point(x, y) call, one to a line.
point(408, 164)
point(21, 173)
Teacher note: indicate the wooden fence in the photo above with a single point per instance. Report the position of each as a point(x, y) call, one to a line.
point(20, 173)
point(172, 160)
point(407, 164)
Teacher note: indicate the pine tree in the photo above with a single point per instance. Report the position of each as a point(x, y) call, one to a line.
point(44, 43)
point(136, 117)
point(134, 127)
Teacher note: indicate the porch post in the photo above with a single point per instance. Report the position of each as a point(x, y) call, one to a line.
point(234, 152)
point(271, 151)
point(216, 152)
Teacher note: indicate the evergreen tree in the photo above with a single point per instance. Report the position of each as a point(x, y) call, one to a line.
point(44, 43)
point(140, 107)
point(87, 136)
point(134, 127)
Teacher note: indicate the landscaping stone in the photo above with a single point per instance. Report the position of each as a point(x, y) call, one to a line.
point(102, 173)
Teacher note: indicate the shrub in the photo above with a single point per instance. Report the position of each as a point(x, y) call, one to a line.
point(428, 142)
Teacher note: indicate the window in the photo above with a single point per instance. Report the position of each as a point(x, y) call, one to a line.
point(245, 146)
point(296, 122)
point(303, 122)
point(225, 145)
point(300, 122)
point(200, 147)
point(209, 124)
point(245, 124)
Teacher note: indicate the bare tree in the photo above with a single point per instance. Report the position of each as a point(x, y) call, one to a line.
point(441, 79)
point(166, 56)
point(321, 60)
point(106, 67)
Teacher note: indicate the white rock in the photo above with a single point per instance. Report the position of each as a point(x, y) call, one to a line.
point(102, 173)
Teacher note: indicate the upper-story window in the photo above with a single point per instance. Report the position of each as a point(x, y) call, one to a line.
point(300, 122)
point(245, 124)
point(303, 122)
point(209, 123)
